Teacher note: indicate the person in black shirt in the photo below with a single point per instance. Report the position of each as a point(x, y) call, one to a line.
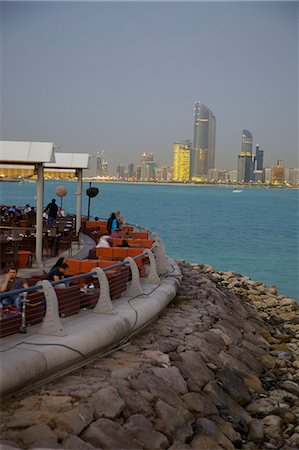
point(57, 273)
point(51, 209)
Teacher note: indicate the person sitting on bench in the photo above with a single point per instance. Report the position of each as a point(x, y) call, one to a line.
point(11, 283)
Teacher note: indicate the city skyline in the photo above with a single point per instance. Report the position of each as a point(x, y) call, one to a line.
point(119, 77)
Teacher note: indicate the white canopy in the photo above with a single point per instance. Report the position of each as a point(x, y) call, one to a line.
point(26, 152)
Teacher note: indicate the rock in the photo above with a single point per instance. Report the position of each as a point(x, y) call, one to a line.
point(105, 433)
point(74, 443)
point(251, 381)
point(256, 431)
point(205, 443)
point(207, 427)
point(143, 431)
point(172, 378)
point(293, 441)
point(75, 420)
point(40, 436)
point(175, 423)
point(290, 386)
point(134, 402)
point(177, 445)
point(289, 417)
point(194, 370)
point(261, 407)
point(107, 403)
point(227, 405)
point(233, 385)
point(161, 359)
point(152, 387)
point(200, 404)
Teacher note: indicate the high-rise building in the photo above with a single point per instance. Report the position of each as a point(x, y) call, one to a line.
point(278, 173)
point(148, 171)
point(246, 142)
point(259, 158)
point(131, 170)
point(246, 159)
point(181, 160)
point(102, 165)
point(203, 152)
point(120, 171)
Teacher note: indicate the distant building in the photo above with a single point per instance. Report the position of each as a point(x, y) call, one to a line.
point(181, 160)
point(246, 142)
point(217, 176)
point(120, 171)
point(233, 176)
point(259, 158)
point(148, 172)
point(278, 173)
point(131, 173)
point(267, 175)
point(102, 165)
point(259, 176)
point(246, 159)
point(162, 173)
point(203, 152)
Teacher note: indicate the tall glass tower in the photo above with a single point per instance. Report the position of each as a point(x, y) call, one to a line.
point(246, 159)
point(246, 142)
point(203, 152)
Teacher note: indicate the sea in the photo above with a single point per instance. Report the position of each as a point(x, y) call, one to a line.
point(253, 231)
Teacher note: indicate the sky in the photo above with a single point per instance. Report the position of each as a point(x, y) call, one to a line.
point(123, 77)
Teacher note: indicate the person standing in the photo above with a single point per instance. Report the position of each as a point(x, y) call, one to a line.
point(120, 220)
point(112, 223)
point(11, 283)
point(52, 210)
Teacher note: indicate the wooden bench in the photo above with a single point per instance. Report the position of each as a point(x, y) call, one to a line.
point(117, 253)
point(35, 312)
point(138, 243)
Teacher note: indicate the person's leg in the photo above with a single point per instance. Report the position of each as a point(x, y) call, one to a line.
point(7, 301)
point(18, 302)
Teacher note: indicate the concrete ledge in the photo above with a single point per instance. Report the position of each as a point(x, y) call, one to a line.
point(26, 359)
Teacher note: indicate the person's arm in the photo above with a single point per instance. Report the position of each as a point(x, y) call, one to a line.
point(25, 285)
point(56, 278)
point(5, 282)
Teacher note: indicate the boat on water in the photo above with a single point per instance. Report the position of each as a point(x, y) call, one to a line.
point(237, 191)
point(111, 294)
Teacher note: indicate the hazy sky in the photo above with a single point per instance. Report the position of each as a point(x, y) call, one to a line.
point(123, 76)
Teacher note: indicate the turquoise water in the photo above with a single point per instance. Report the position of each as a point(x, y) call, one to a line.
point(254, 232)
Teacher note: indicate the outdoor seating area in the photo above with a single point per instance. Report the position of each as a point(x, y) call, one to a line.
point(18, 241)
point(75, 295)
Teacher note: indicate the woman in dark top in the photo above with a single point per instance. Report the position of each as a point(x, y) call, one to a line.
point(57, 273)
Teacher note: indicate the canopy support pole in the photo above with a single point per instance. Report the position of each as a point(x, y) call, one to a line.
point(79, 200)
point(39, 214)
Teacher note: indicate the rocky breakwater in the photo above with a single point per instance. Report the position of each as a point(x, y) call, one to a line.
point(218, 370)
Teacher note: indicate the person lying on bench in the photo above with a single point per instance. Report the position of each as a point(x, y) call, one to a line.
point(11, 283)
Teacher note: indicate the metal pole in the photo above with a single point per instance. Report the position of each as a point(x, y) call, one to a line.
point(79, 200)
point(39, 215)
point(88, 212)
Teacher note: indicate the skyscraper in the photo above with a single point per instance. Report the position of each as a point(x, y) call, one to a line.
point(246, 142)
point(203, 152)
point(259, 158)
point(181, 160)
point(245, 159)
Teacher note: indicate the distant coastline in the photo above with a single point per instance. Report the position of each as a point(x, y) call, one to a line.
point(159, 183)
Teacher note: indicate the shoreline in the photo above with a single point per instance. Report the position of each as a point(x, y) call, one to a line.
point(156, 183)
point(218, 370)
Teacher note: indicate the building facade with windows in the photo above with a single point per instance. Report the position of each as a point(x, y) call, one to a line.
point(181, 160)
point(203, 152)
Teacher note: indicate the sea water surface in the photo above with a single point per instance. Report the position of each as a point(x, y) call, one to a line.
point(253, 232)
